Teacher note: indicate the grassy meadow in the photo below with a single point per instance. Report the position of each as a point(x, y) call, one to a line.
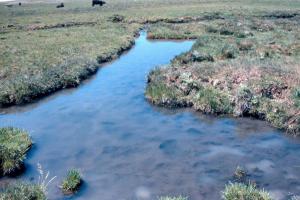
point(242, 67)
point(44, 49)
point(245, 61)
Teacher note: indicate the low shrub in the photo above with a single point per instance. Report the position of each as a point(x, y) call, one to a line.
point(14, 143)
point(72, 181)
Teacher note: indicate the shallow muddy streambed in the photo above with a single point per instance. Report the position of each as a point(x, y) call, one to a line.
point(128, 149)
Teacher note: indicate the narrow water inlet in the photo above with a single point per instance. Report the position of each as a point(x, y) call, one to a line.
point(129, 149)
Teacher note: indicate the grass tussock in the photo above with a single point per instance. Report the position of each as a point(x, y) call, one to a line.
point(14, 143)
point(72, 182)
point(21, 191)
point(238, 191)
point(211, 100)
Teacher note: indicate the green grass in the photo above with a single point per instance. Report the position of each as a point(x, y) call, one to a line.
point(238, 191)
point(72, 182)
point(48, 60)
point(213, 101)
point(177, 31)
point(259, 54)
point(296, 96)
point(14, 143)
point(22, 191)
point(161, 94)
point(44, 49)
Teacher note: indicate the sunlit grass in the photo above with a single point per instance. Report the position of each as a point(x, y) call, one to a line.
point(238, 191)
point(14, 143)
point(72, 182)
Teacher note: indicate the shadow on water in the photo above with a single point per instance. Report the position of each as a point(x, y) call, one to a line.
point(128, 149)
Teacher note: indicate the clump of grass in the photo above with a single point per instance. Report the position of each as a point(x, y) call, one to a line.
point(211, 100)
point(163, 95)
point(28, 191)
point(226, 31)
point(273, 112)
point(211, 29)
point(173, 198)
point(296, 97)
point(21, 191)
point(210, 48)
point(229, 52)
point(240, 173)
point(72, 182)
point(44, 179)
point(14, 143)
point(238, 191)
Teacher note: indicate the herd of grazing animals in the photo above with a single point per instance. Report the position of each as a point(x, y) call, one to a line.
point(61, 5)
point(94, 2)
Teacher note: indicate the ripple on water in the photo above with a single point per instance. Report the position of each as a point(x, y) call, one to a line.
point(128, 149)
point(215, 151)
point(266, 166)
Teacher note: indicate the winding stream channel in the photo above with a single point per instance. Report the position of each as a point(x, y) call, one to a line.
point(128, 149)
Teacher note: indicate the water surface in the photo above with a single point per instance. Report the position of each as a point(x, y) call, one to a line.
point(128, 149)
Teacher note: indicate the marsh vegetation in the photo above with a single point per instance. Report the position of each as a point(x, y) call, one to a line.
point(242, 66)
point(72, 182)
point(14, 143)
point(21, 191)
point(244, 63)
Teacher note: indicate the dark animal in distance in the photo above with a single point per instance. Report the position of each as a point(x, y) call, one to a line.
point(98, 2)
point(20, 3)
point(61, 5)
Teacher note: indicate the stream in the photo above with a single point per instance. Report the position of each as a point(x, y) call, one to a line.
point(128, 149)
